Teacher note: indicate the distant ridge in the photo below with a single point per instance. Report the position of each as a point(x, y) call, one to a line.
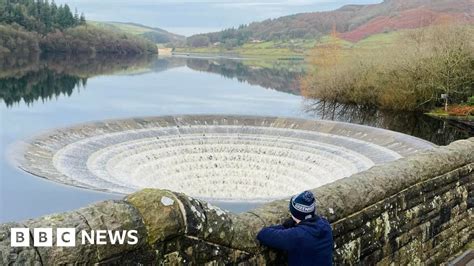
point(412, 14)
point(156, 35)
point(354, 22)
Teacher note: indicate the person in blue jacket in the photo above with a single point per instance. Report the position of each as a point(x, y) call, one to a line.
point(306, 237)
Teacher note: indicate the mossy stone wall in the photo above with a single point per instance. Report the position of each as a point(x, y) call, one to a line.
point(418, 209)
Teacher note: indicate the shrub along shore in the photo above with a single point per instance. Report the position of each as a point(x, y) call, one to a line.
point(411, 74)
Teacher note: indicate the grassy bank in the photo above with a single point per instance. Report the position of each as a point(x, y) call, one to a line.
point(295, 47)
point(245, 51)
point(456, 111)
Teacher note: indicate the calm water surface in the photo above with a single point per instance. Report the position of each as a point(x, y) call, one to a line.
point(39, 95)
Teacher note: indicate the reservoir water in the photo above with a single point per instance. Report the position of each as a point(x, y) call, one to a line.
point(39, 95)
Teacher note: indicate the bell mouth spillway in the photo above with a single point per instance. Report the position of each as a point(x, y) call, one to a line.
point(222, 158)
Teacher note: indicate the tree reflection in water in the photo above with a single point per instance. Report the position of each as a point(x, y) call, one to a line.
point(51, 76)
point(280, 75)
point(45, 78)
point(419, 125)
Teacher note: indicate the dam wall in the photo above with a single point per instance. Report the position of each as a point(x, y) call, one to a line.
point(416, 209)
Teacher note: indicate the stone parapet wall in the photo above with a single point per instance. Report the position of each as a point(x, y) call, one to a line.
point(417, 209)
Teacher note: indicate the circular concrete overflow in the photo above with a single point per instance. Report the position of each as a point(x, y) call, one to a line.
point(234, 158)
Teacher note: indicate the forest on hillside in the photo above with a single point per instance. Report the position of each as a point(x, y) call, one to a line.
point(39, 16)
point(28, 27)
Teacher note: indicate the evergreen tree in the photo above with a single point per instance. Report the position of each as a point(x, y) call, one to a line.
point(82, 19)
point(38, 15)
point(54, 14)
point(68, 17)
point(76, 17)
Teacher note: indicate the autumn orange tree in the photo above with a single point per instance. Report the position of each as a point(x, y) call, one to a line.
point(409, 74)
point(324, 59)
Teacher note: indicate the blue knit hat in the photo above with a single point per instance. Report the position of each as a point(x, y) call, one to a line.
point(303, 206)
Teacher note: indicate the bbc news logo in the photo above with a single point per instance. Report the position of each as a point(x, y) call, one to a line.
point(66, 237)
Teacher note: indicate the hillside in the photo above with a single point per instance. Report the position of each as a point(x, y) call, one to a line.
point(408, 19)
point(355, 22)
point(29, 27)
point(155, 35)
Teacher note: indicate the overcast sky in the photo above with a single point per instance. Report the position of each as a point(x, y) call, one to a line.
point(197, 16)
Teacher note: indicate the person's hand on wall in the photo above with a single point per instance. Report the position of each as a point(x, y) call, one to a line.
point(288, 223)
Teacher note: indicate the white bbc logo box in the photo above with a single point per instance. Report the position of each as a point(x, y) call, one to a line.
point(66, 237)
point(43, 237)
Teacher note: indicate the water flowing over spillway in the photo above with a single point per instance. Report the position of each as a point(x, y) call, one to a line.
point(234, 158)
